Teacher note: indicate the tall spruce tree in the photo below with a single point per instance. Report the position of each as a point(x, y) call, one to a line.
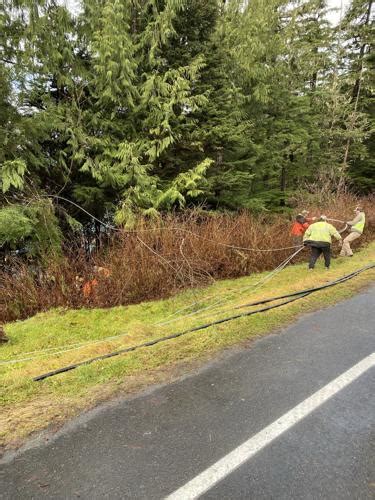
point(358, 35)
point(141, 104)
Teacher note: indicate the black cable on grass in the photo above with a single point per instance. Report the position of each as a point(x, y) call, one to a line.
point(309, 290)
point(158, 340)
point(292, 297)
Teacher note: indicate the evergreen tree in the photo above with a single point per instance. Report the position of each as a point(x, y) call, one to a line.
point(141, 106)
point(358, 35)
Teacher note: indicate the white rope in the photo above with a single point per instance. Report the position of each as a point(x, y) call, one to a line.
point(257, 285)
point(69, 347)
point(234, 247)
point(157, 255)
point(135, 231)
point(83, 210)
point(225, 299)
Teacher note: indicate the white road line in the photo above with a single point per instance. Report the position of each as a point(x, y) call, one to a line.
point(211, 476)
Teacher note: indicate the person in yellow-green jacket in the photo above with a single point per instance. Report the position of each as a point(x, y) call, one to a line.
point(318, 237)
point(356, 229)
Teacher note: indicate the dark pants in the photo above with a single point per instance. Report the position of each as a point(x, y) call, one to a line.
point(316, 251)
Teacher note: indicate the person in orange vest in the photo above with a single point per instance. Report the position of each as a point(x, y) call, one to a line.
point(300, 225)
point(88, 288)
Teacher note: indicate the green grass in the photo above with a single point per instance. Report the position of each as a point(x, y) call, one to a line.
point(28, 406)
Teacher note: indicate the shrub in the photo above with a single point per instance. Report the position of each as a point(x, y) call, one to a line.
point(34, 226)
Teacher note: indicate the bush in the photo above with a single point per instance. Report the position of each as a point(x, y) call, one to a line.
point(34, 226)
point(15, 226)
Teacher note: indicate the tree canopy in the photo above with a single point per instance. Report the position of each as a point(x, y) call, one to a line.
point(142, 106)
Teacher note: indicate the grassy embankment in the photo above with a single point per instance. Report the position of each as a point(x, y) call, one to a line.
point(27, 406)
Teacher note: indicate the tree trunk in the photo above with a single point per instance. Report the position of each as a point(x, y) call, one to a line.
point(357, 84)
point(283, 185)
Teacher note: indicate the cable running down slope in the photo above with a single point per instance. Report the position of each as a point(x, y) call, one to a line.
point(290, 298)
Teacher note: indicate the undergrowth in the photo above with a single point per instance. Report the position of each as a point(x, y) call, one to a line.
point(160, 258)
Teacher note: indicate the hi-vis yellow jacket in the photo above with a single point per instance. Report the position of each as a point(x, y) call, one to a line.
point(321, 232)
point(358, 223)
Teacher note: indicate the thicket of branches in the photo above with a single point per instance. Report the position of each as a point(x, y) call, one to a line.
point(143, 106)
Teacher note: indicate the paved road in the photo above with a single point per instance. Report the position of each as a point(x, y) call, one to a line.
point(151, 446)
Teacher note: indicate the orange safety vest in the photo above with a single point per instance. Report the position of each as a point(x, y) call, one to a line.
point(298, 229)
point(89, 287)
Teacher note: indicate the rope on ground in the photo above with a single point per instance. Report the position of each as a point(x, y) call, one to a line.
point(254, 286)
point(151, 343)
point(56, 351)
point(291, 298)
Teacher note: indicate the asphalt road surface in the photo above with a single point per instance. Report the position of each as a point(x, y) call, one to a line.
point(292, 417)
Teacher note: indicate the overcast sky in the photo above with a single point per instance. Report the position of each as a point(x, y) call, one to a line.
point(334, 17)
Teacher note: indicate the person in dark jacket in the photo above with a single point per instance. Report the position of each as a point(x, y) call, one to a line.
point(318, 237)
